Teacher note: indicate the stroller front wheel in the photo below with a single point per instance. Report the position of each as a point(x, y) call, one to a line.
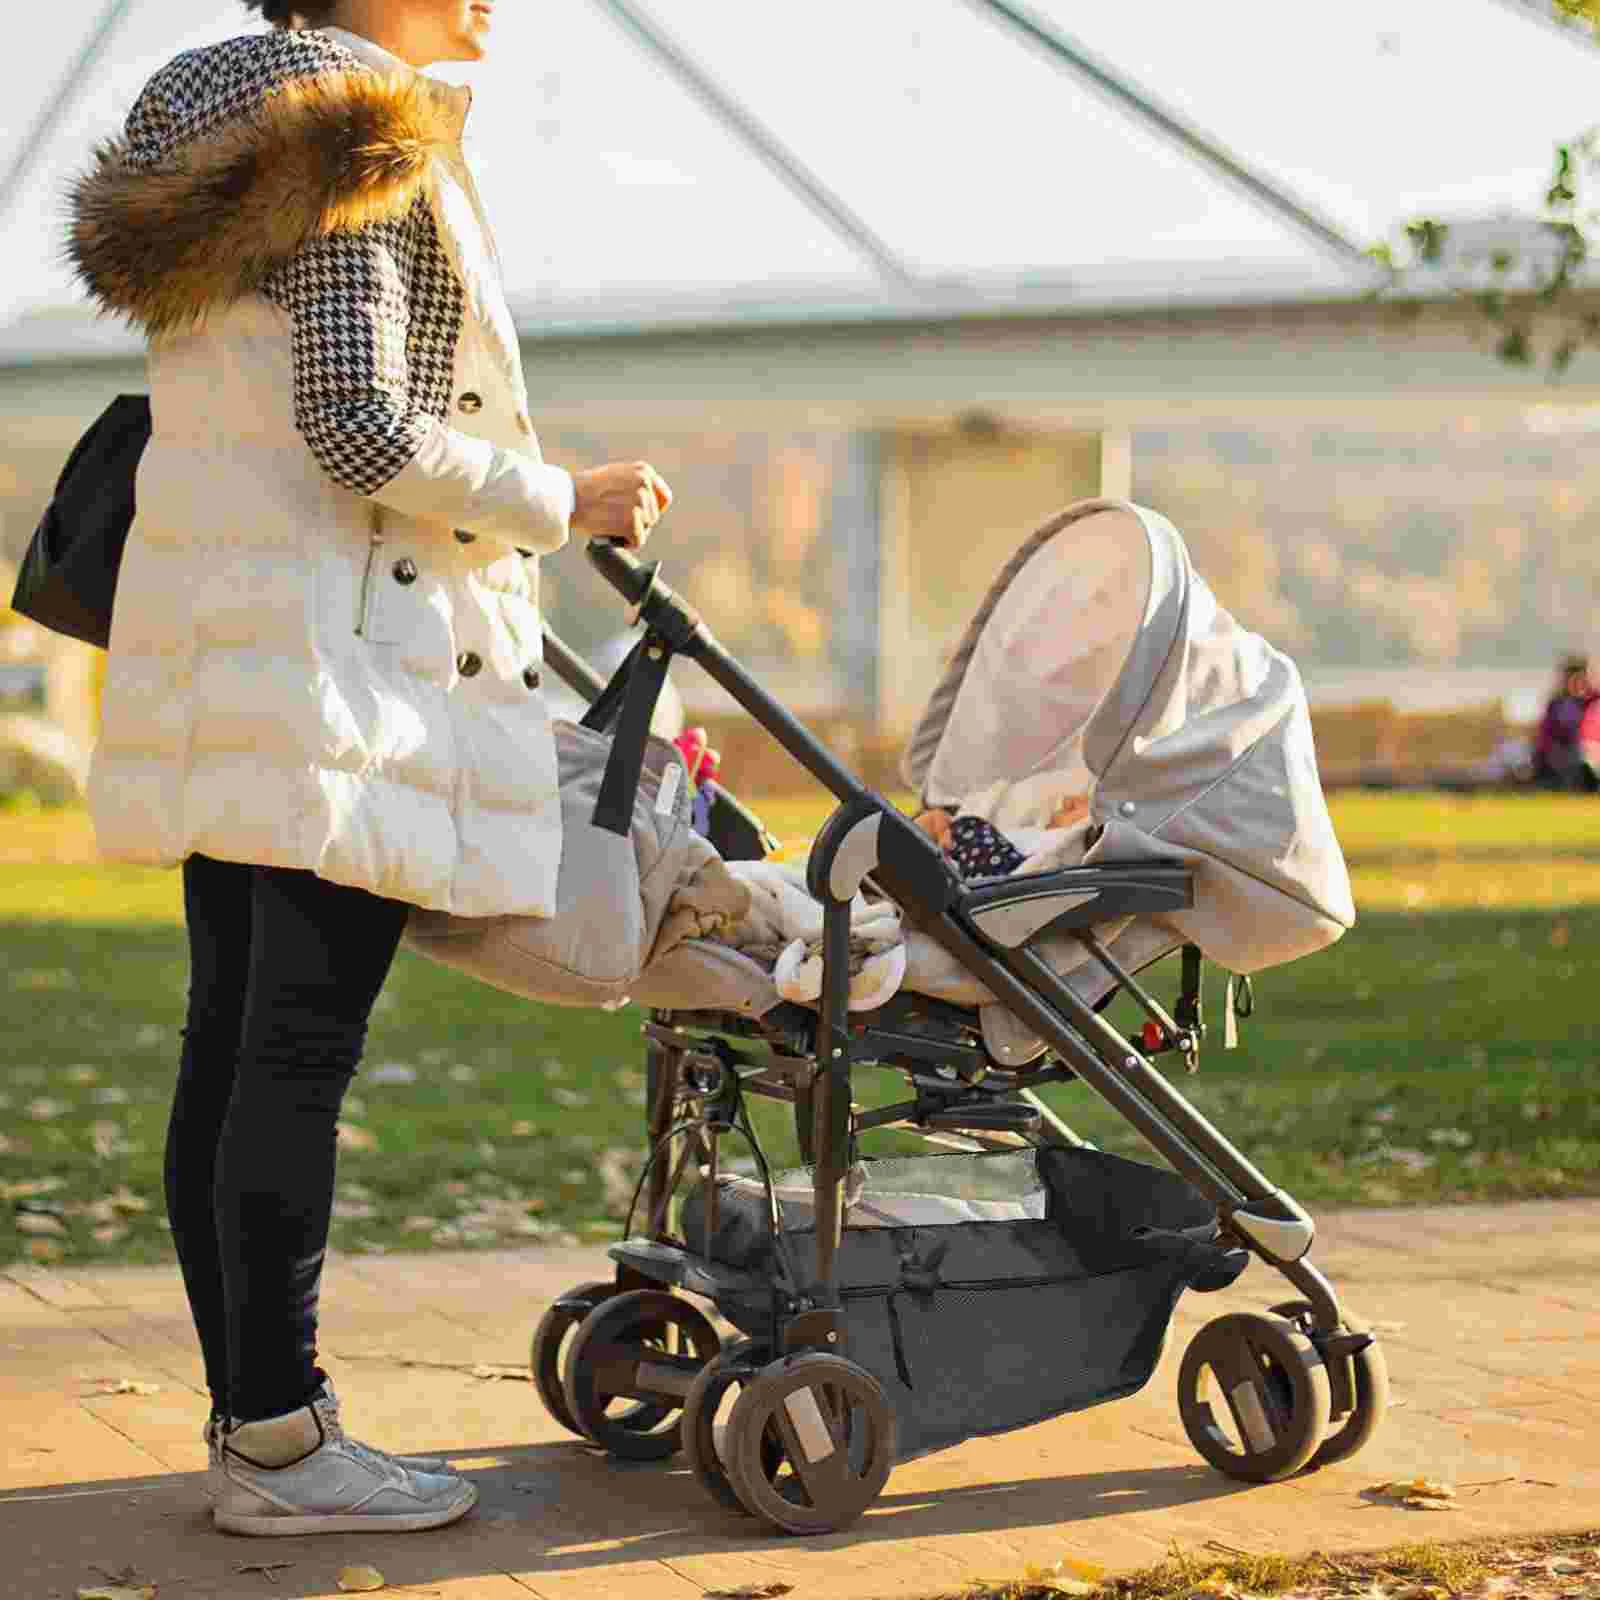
point(835, 1432)
point(644, 1346)
point(1275, 1393)
point(1369, 1380)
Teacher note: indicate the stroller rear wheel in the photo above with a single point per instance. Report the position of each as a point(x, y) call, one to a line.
point(1369, 1374)
point(1275, 1391)
point(551, 1343)
point(704, 1438)
point(645, 1345)
point(837, 1435)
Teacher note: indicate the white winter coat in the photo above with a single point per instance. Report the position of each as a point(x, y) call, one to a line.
point(326, 647)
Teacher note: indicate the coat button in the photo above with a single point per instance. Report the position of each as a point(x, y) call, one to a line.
point(463, 537)
point(469, 663)
point(405, 570)
point(530, 676)
point(470, 403)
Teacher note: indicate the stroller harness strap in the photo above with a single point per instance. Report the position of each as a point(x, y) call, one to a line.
point(646, 669)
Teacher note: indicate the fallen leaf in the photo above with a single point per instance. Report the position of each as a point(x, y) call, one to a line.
point(30, 1186)
point(44, 1250)
point(126, 1200)
point(752, 1591)
point(359, 1580)
point(128, 1386)
point(43, 1110)
point(106, 1139)
point(349, 1136)
point(123, 1585)
point(270, 1568)
point(489, 1374)
point(81, 1074)
point(38, 1222)
point(1417, 1492)
point(110, 1233)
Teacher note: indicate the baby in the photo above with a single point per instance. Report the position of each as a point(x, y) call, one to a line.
point(977, 848)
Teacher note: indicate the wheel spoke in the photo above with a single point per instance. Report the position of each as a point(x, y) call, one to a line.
point(813, 1449)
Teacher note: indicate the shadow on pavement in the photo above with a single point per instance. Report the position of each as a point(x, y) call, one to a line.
point(548, 1508)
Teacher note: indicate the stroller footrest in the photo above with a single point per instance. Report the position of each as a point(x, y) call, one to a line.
point(667, 1263)
point(1002, 1116)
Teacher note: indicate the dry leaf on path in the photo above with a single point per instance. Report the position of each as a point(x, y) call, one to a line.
point(1065, 1577)
point(1417, 1494)
point(490, 1374)
point(123, 1585)
point(351, 1136)
point(45, 1250)
point(126, 1386)
point(751, 1591)
point(359, 1580)
point(270, 1568)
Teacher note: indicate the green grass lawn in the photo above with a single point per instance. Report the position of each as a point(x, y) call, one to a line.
point(1443, 1050)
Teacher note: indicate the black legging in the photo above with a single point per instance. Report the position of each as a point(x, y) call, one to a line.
point(284, 970)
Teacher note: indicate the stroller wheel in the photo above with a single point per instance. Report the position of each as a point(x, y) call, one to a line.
point(645, 1345)
point(837, 1436)
point(561, 1319)
point(704, 1437)
point(1369, 1374)
point(1274, 1396)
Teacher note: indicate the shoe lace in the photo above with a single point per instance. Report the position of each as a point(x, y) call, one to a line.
point(373, 1457)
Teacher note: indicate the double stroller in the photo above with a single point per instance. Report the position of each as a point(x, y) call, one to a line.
point(886, 1306)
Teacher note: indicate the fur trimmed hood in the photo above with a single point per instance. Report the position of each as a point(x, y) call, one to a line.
point(164, 242)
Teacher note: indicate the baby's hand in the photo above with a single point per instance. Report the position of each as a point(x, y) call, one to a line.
point(1073, 809)
point(936, 824)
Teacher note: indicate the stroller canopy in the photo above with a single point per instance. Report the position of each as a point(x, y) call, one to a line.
point(1101, 661)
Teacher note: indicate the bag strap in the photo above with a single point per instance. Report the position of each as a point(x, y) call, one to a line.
point(619, 784)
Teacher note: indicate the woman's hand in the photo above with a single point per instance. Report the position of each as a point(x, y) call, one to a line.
point(622, 500)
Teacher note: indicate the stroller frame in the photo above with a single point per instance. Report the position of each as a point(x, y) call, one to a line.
point(1313, 1365)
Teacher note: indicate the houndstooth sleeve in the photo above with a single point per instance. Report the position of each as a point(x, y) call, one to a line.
point(356, 401)
point(375, 316)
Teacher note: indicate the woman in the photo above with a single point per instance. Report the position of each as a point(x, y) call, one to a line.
point(323, 692)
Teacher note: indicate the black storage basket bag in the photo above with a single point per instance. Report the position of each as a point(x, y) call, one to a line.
point(1055, 1296)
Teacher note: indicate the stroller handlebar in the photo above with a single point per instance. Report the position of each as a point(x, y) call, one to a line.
point(631, 578)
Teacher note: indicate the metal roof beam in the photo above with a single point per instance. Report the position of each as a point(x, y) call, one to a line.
point(77, 74)
point(734, 115)
point(1046, 37)
point(1577, 30)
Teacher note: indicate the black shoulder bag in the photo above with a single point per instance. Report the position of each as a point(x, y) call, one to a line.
point(69, 575)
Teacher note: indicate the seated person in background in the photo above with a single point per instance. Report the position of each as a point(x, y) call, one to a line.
point(1564, 749)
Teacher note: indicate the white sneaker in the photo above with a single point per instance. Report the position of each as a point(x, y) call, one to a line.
point(326, 1403)
point(292, 1475)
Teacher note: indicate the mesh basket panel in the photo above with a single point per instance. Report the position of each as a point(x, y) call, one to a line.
point(1022, 1286)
